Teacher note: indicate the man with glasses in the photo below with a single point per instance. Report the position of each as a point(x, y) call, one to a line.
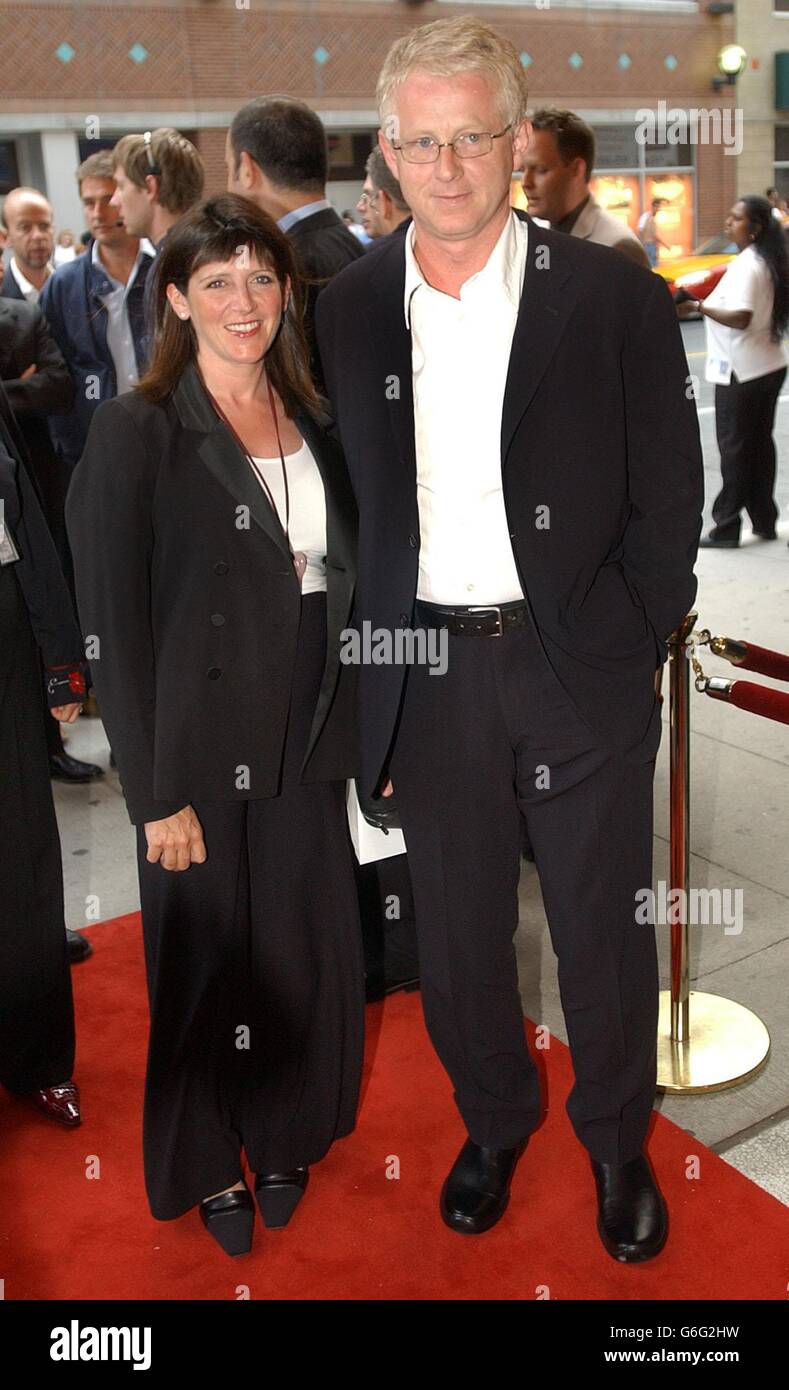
point(525, 455)
point(382, 205)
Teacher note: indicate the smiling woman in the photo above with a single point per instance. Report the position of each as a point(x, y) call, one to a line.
point(219, 587)
point(225, 267)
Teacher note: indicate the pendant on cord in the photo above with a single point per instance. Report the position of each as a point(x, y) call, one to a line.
point(299, 564)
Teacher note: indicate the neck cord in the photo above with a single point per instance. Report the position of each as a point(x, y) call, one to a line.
point(220, 412)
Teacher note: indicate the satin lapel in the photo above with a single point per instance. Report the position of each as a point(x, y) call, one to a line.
point(340, 503)
point(340, 560)
point(392, 341)
point(223, 458)
point(547, 303)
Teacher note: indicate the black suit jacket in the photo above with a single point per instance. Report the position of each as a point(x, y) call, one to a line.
point(323, 247)
point(10, 289)
point(598, 424)
point(184, 576)
point(38, 571)
point(26, 339)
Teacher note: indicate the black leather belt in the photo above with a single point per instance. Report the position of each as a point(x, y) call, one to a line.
point(488, 620)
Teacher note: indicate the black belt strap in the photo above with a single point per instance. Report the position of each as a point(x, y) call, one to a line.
point(488, 620)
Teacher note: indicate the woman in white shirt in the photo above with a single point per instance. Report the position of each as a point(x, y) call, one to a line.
point(746, 317)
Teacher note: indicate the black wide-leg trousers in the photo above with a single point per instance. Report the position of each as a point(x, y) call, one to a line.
point(492, 739)
point(744, 420)
point(36, 1009)
point(255, 978)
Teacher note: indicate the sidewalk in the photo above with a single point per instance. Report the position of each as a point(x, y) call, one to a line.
point(739, 839)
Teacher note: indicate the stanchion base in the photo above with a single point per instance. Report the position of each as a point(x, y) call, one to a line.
point(727, 1045)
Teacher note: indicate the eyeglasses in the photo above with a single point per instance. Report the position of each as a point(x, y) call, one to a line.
point(426, 150)
point(366, 200)
point(147, 139)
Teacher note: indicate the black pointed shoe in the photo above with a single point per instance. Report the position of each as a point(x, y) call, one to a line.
point(278, 1195)
point(477, 1190)
point(230, 1219)
point(632, 1216)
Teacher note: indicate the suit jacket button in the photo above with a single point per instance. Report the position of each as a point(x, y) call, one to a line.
point(412, 541)
point(214, 673)
point(217, 619)
point(220, 567)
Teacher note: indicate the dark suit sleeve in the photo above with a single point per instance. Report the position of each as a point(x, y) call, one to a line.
point(38, 571)
point(665, 469)
point(110, 526)
point(50, 390)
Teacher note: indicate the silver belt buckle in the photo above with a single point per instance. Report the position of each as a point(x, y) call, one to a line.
point(491, 608)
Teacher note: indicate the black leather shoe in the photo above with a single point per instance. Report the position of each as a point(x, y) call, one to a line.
point(766, 535)
point(79, 948)
point(67, 769)
point(477, 1191)
point(632, 1216)
point(707, 543)
point(278, 1195)
point(230, 1219)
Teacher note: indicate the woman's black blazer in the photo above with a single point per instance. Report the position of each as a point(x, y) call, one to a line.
point(189, 604)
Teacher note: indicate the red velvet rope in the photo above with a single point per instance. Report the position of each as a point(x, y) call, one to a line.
point(765, 663)
point(757, 699)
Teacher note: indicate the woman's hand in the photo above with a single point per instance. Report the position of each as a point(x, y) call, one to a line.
point(177, 841)
point(66, 713)
point(387, 788)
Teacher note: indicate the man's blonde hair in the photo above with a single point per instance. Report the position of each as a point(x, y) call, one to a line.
point(447, 47)
point(181, 168)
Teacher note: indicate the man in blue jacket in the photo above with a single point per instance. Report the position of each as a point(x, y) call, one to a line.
point(94, 306)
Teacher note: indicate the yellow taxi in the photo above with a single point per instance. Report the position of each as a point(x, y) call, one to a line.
point(698, 273)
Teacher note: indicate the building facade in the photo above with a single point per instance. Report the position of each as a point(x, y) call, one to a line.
point(75, 76)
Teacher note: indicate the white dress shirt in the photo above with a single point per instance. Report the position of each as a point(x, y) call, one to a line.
point(460, 355)
point(119, 334)
point(28, 290)
point(749, 352)
point(307, 525)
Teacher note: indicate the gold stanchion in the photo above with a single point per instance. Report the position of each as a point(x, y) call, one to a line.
point(705, 1042)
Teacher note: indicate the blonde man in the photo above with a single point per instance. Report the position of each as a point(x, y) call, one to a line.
point(528, 473)
point(159, 176)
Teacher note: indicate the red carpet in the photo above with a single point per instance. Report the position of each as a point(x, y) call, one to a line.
point(357, 1233)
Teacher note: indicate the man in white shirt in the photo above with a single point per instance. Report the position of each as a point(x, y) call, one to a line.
point(512, 404)
point(95, 307)
point(557, 169)
point(28, 221)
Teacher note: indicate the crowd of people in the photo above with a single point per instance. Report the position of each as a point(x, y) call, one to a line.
point(202, 456)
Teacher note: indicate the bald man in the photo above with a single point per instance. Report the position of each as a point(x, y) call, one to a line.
point(28, 223)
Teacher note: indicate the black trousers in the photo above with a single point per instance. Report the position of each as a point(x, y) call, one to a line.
point(36, 1009)
point(255, 978)
point(744, 418)
point(493, 739)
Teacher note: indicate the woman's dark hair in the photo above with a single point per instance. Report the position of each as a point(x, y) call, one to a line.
point(217, 229)
point(770, 242)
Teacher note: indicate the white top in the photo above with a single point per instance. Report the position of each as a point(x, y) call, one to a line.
point(750, 352)
point(460, 351)
point(119, 334)
point(307, 527)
